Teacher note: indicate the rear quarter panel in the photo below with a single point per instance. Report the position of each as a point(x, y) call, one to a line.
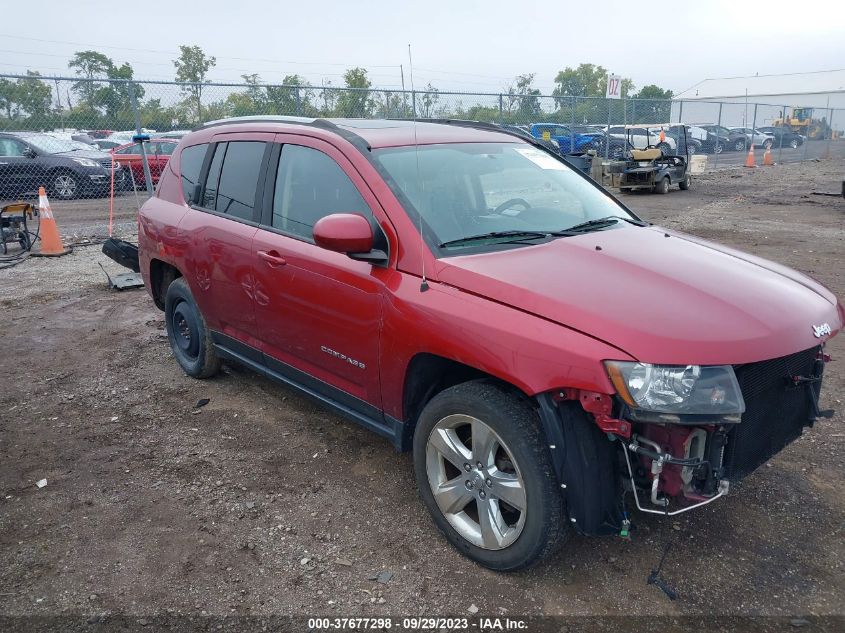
point(158, 223)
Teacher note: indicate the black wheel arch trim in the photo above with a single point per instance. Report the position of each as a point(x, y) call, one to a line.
point(589, 483)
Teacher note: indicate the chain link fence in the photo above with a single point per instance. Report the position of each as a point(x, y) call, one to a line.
point(75, 136)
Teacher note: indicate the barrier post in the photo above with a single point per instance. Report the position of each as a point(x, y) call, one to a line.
point(133, 102)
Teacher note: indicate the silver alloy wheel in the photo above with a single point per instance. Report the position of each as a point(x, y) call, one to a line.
point(65, 185)
point(475, 481)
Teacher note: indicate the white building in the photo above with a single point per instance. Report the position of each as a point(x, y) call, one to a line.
point(735, 98)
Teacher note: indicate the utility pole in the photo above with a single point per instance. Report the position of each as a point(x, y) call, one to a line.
point(404, 96)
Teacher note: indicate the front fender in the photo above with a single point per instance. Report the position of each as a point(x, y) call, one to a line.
point(529, 352)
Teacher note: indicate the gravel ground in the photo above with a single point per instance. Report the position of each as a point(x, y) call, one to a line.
point(262, 503)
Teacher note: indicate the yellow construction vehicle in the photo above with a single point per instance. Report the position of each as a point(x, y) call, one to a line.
point(802, 122)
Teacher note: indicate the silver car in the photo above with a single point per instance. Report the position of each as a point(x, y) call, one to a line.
point(760, 139)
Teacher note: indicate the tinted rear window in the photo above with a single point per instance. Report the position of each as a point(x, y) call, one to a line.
point(239, 178)
point(191, 165)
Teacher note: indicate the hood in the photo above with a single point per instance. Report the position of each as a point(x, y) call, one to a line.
point(93, 154)
point(660, 296)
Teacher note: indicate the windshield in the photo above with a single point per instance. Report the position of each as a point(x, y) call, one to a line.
point(471, 189)
point(53, 145)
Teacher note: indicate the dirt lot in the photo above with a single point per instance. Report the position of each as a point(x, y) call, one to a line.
point(262, 503)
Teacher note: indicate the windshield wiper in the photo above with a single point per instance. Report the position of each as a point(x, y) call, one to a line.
point(598, 223)
point(494, 235)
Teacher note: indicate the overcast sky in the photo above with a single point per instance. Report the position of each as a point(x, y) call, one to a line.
point(470, 45)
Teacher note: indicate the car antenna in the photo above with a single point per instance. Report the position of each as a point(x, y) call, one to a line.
point(424, 284)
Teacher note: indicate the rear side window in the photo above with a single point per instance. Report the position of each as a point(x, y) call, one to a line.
point(209, 194)
point(239, 178)
point(191, 165)
point(311, 185)
point(11, 147)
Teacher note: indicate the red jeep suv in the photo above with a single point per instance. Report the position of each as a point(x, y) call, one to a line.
point(548, 357)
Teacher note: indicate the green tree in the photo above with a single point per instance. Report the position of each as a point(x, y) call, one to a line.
point(357, 101)
point(89, 65)
point(587, 80)
point(34, 96)
point(192, 68)
point(654, 105)
point(653, 92)
point(292, 97)
point(9, 98)
point(427, 101)
point(328, 95)
point(254, 82)
point(115, 97)
point(522, 100)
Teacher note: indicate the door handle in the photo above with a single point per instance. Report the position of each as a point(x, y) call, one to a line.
point(272, 258)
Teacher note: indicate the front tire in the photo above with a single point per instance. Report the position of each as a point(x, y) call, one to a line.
point(739, 146)
point(187, 332)
point(64, 184)
point(484, 472)
point(685, 183)
point(794, 143)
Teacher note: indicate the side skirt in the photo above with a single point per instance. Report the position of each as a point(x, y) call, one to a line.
point(331, 397)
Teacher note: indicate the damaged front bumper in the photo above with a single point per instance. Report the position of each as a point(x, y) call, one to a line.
point(669, 467)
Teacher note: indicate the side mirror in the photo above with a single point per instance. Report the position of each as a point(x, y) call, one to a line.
point(348, 233)
point(29, 152)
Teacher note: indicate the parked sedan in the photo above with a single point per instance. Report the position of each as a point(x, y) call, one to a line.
point(158, 153)
point(68, 169)
point(759, 138)
point(784, 136)
point(731, 139)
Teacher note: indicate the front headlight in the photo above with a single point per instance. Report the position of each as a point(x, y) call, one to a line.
point(677, 389)
point(85, 162)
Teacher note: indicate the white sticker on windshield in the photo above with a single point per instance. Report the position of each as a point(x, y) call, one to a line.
point(540, 158)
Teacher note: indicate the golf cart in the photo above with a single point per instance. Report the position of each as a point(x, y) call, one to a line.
point(652, 170)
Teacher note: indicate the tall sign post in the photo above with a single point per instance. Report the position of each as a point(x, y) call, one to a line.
point(614, 91)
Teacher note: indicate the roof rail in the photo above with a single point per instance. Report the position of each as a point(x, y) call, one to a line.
point(256, 118)
point(325, 124)
point(490, 127)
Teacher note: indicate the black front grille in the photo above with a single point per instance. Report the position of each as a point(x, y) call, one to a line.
point(776, 409)
point(107, 163)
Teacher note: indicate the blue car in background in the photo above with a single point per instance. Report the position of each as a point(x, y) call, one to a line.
point(578, 140)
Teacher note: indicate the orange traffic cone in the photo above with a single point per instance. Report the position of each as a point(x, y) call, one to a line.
point(749, 160)
point(767, 157)
point(48, 231)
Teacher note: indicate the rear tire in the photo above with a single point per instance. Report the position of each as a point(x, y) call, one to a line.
point(476, 445)
point(663, 186)
point(187, 332)
point(739, 146)
point(624, 190)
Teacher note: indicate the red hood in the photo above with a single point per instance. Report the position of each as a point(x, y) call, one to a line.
point(672, 300)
